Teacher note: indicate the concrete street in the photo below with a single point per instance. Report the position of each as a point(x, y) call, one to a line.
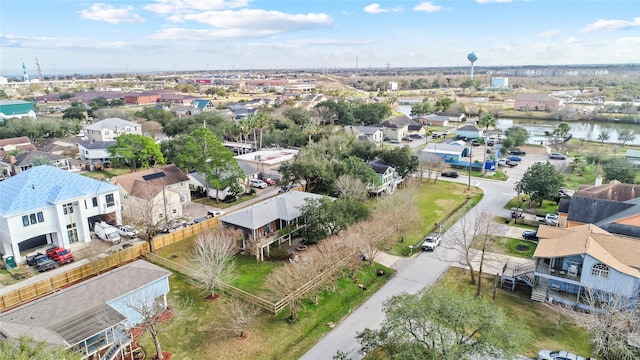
point(421, 270)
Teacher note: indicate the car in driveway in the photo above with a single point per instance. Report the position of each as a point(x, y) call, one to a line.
point(450, 173)
point(514, 158)
point(431, 241)
point(60, 255)
point(407, 139)
point(505, 162)
point(552, 219)
point(124, 230)
point(530, 235)
point(557, 156)
point(270, 181)
point(559, 355)
point(257, 183)
point(475, 142)
point(40, 262)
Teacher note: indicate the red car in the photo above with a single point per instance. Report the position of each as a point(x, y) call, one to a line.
point(60, 255)
point(270, 181)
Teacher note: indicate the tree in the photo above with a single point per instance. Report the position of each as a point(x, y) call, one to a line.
point(421, 108)
point(261, 122)
point(462, 237)
point(369, 114)
point(137, 150)
point(604, 136)
point(151, 313)
point(626, 135)
point(324, 217)
point(75, 111)
point(443, 103)
point(430, 163)
point(400, 210)
point(212, 256)
point(486, 238)
point(487, 121)
point(541, 181)
point(371, 237)
point(26, 348)
point(347, 185)
point(517, 134)
point(238, 316)
point(619, 169)
point(612, 323)
point(401, 159)
point(438, 323)
point(562, 130)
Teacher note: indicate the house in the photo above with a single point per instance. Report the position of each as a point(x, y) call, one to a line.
point(309, 101)
point(146, 97)
point(453, 117)
point(396, 128)
point(176, 99)
point(387, 179)
point(371, 133)
point(267, 161)
point(197, 182)
point(260, 222)
point(536, 102)
point(573, 261)
point(95, 152)
point(16, 109)
point(203, 104)
point(469, 131)
point(17, 144)
point(5, 170)
point(154, 195)
point(433, 120)
point(92, 317)
point(109, 129)
point(47, 205)
point(446, 151)
point(633, 157)
point(614, 207)
point(26, 160)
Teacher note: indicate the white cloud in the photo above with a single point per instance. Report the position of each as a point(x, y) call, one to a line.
point(572, 40)
point(427, 7)
point(110, 14)
point(179, 6)
point(261, 21)
point(611, 25)
point(375, 9)
point(549, 33)
point(492, 1)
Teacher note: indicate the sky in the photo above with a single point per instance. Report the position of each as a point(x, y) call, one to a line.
point(130, 36)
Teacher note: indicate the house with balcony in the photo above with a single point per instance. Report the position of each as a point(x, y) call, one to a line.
point(154, 195)
point(387, 179)
point(370, 133)
point(47, 205)
point(102, 313)
point(260, 222)
point(109, 129)
point(573, 262)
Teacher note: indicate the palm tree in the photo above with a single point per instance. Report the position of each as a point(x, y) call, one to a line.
point(310, 129)
point(261, 122)
point(486, 121)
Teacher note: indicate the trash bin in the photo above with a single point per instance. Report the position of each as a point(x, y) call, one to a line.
point(10, 261)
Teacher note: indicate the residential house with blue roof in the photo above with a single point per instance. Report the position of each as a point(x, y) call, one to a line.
point(203, 104)
point(48, 205)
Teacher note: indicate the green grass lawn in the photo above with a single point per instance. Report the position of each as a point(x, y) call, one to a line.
point(193, 331)
point(551, 329)
point(514, 247)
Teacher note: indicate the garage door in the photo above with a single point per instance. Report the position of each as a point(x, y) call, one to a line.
point(32, 243)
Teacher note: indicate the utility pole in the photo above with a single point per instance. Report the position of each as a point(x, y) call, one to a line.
point(470, 159)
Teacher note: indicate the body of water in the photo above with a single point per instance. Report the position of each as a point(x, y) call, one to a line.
point(580, 130)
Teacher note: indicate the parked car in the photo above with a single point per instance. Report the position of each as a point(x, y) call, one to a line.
point(450, 173)
point(557, 156)
point(558, 355)
point(563, 192)
point(530, 235)
point(394, 141)
point(214, 213)
point(517, 152)
point(60, 255)
point(40, 262)
point(431, 241)
point(257, 183)
point(505, 162)
point(514, 158)
point(124, 230)
point(416, 136)
point(475, 142)
point(435, 135)
point(407, 139)
point(490, 143)
point(552, 219)
point(270, 181)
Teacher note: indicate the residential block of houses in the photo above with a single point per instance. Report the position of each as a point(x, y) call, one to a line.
point(47, 205)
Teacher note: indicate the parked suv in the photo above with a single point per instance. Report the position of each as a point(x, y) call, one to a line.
point(517, 152)
point(40, 262)
point(431, 241)
point(257, 183)
point(557, 156)
point(552, 219)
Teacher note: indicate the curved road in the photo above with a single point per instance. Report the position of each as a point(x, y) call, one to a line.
point(415, 273)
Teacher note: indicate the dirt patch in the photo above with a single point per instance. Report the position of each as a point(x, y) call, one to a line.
point(533, 149)
point(523, 247)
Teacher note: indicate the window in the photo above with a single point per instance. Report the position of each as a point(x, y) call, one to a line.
point(40, 216)
point(72, 233)
point(600, 270)
point(67, 209)
point(33, 219)
point(95, 201)
point(25, 220)
point(110, 200)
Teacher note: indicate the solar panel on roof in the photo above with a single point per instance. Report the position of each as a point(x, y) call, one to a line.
point(154, 176)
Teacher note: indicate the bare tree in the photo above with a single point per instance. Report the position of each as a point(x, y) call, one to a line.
point(612, 322)
point(212, 256)
point(371, 236)
point(486, 237)
point(432, 164)
point(400, 210)
point(348, 185)
point(284, 282)
point(238, 316)
point(152, 313)
point(462, 236)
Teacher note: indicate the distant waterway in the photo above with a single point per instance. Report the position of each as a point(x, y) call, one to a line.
point(579, 129)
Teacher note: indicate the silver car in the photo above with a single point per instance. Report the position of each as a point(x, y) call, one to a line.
point(559, 355)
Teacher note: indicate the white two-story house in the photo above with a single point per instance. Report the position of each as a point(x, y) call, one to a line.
point(47, 205)
point(102, 134)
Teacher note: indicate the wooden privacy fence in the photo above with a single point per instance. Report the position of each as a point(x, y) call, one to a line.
point(59, 281)
point(181, 234)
